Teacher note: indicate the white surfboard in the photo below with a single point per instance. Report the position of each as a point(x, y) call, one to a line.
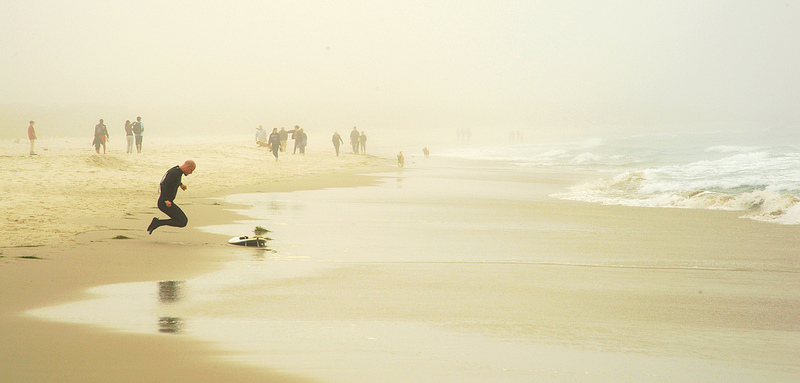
point(248, 241)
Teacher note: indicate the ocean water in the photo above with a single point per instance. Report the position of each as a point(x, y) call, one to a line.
point(414, 219)
point(756, 174)
point(431, 215)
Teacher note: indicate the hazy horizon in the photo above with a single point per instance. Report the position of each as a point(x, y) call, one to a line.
point(552, 70)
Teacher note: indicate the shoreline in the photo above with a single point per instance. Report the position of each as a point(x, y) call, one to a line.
point(621, 316)
point(38, 273)
point(69, 190)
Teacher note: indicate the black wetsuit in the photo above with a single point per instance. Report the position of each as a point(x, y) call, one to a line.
point(169, 189)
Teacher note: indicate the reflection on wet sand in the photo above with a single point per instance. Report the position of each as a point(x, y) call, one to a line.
point(261, 253)
point(170, 325)
point(169, 292)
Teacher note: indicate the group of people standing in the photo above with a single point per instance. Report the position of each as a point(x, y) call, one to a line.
point(358, 141)
point(276, 141)
point(134, 133)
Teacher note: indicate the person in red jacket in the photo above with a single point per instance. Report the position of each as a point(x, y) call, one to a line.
point(32, 136)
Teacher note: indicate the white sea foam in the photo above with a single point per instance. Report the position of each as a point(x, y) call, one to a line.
point(764, 184)
point(731, 148)
point(690, 171)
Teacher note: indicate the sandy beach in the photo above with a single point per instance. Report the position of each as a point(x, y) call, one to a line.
point(69, 189)
point(546, 191)
point(508, 284)
point(61, 211)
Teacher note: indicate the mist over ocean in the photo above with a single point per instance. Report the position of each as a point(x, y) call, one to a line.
point(759, 176)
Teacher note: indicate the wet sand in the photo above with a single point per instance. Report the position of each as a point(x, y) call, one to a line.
point(62, 211)
point(480, 276)
point(36, 350)
point(544, 290)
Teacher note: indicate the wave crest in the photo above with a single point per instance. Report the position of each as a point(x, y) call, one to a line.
point(632, 188)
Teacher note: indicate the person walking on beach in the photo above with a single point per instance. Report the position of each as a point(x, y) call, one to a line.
point(337, 140)
point(129, 135)
point(302, 141)
point(31, 137)
point(362, 140)
point(401, 159)
point(354, 139)
point(166, 200)
point(284, 135)
point(138, 131)
point(426, 152)
point(100, 137)
point(296, 137)
point(274, 142)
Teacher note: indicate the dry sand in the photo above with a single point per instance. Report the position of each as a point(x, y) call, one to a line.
point(67, 187)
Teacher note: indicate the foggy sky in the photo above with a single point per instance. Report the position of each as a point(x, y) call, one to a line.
point(547, 67)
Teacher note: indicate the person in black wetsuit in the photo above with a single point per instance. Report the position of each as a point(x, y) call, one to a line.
point(166, 200)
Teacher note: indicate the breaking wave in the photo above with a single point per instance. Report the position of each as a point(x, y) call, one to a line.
point(679, 171)
point(763, 184)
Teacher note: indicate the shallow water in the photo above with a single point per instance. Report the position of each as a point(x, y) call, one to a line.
point(283, 308)
point(367, 351)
